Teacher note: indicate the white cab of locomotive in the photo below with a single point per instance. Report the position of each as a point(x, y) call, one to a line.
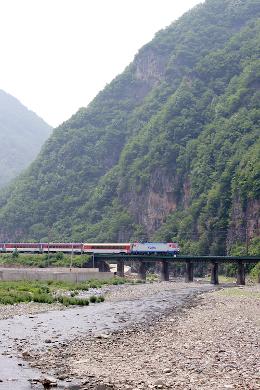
point(155, 247)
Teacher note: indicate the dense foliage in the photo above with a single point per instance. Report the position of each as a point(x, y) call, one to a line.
point(22, 134)
point(255, 273)
point(186, 113)
point(44, 260)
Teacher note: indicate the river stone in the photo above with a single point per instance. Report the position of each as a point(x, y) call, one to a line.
point(167, 370)
point(159, 382)
point(48, 381)
point(25, 354)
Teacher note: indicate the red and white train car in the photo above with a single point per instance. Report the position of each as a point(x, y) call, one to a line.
point(30, 247)
point(107, 248)
point(64, 247)
point(90, 248)
point(20, 247)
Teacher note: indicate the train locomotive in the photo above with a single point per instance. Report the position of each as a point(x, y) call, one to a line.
point(135, 248)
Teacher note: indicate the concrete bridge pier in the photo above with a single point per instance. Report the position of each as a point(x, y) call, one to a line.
point(164, 266)
point(241, 279)
point(102, 265)
point(120, 268)
point(214, 273)
point(142, 271)
point(189, 272)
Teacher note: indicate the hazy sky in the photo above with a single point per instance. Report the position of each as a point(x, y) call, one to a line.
point(56, 55)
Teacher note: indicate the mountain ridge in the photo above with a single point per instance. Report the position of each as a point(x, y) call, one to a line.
point(22, 134)
point(149, 157)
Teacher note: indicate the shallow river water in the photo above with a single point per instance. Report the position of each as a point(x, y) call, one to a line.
point(41, 331)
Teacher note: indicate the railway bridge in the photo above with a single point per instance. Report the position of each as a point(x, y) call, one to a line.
point(165, 260)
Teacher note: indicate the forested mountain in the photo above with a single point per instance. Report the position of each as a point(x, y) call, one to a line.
point(22, 134)
point(169, 150)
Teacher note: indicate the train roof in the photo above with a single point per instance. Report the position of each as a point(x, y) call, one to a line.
point(107, 243)
point(153, 242)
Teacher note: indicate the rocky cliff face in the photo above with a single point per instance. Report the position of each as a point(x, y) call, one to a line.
point(245, 222)
point(150, 67)
point(152, 205)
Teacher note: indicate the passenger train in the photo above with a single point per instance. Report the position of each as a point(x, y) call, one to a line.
point(135, 248)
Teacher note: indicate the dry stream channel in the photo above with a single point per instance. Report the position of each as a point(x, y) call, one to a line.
point(23, 334)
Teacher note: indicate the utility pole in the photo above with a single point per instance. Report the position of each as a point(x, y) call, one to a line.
point(71, 257)
point(48, 260)
point(247, 237)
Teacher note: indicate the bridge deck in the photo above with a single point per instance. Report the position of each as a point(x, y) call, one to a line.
point(179, 258)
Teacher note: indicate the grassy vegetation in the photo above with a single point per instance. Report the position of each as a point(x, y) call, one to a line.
point(239, 292)
point(12, 292)
point(150, 277)
point(223, 279)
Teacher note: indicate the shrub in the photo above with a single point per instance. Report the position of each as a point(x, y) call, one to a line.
point(120, 281)
point(7, 300)
point(10, 296)
point(73, 301)
point(82, 286)
point(152, 277)
point(229, 270)
point(43, 298)
point(93, 299)
point(44, 289)
point(42, 265)
point(63, 300)
point(255, 273)
point(59, 256)
point(82, 301)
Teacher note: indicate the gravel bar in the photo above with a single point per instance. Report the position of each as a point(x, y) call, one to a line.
point(210, 341)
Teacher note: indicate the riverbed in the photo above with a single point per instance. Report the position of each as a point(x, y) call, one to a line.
point(127, 342)
point(26, 334)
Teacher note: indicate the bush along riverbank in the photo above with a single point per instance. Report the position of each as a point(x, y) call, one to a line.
point(65, 293)
point(44, 260)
